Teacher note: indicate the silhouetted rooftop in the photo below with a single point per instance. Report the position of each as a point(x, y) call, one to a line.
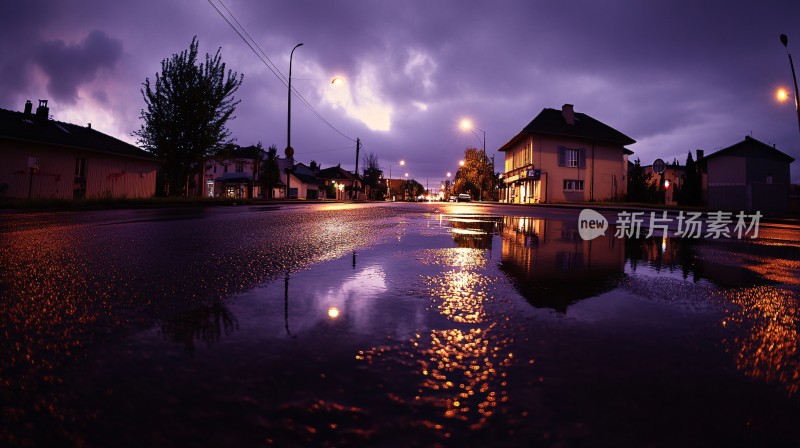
point(335, 172)
point(751, 144)
point(552, 122)
point(246, 152)
point(30, 128)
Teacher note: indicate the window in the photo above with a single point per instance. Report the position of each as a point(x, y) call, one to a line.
point(573, 185)
point(239, 167)
point(572, 157)
point(225, 168)
point(769, 178)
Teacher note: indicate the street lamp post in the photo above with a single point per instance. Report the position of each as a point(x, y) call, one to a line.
point(785, 42)
point(389, 184)
point(289, 150)
point(467, 125)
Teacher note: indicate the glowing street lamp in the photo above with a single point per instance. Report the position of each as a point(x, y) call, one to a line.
point(782, 95)
point(468, 126)
point(389, 184)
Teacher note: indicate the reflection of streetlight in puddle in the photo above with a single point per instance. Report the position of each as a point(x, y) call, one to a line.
point(764, 336)
point(462, 371)
point(353, 296)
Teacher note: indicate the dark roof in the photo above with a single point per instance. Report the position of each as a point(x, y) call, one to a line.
point(552, 122)
point(251, 152)
point(306, 179)
point(751, 144)
point(335, 172)
point(28, 128)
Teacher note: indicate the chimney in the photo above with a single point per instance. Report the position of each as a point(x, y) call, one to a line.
point(89, 125)
point(42, 112)
point(700, 154)
point(568, 114)
point(28, 107)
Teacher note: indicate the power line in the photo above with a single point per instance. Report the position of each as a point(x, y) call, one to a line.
point(331, 150)
point(251, 39)
point(251, 43)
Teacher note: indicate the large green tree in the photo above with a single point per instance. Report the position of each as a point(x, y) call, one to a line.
point(692, 191)
point(639, 189)
point(475, 176)
point(270, 172)
point(188, 107)
point(412, 189)
point(372, 174)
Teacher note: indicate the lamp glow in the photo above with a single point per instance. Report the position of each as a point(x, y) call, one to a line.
point(782, 95)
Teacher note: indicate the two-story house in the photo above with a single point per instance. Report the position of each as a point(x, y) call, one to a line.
point(234, 173)
point(341, 180)
point(748, 176)
point(565, 156)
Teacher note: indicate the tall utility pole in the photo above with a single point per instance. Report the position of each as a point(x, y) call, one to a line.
point(785, 42)
point(355, 175)
point(289, 150)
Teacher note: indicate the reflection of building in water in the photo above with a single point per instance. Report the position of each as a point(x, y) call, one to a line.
point(473, 233)
point(553, 267)
point(764, 334)
point(726, 263)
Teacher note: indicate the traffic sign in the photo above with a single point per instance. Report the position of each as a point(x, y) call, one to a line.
point(659, 166)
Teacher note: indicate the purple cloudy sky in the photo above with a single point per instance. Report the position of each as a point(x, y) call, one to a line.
point(674, 75)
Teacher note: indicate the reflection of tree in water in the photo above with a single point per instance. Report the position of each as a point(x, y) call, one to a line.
point(206, 324)
point(665, 253)
point(764, 334)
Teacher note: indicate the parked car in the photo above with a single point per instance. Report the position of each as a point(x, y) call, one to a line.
point(453, 199)
point(463, 197)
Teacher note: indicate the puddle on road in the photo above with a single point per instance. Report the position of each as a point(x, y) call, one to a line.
point(468, 329)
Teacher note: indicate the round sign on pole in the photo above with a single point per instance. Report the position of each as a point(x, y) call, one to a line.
point(659, 166)
point(289, 152)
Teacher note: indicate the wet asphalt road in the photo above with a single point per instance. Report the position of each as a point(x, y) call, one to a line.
point(390, 325)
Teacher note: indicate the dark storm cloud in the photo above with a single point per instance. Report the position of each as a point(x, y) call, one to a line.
point(70, 66)
point(674, 75)
point(19, 31)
